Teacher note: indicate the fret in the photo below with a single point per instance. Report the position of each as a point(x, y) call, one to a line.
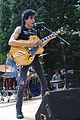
point(48, 37)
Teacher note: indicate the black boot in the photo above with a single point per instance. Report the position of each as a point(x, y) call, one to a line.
point(19, 115)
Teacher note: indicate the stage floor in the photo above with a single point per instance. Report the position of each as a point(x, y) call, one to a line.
point(30, 107)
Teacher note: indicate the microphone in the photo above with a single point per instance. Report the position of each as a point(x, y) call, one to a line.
point(39, 23)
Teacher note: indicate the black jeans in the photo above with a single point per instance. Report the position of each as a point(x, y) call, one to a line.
point(23, 75)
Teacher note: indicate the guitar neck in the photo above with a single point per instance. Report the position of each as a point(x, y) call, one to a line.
point(44, 39)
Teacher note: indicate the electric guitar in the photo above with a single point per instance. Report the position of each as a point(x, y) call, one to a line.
point(23, 55)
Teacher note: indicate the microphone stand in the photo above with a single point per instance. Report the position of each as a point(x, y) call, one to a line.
point(63, 55)
point(65, 66)
point(55, 34)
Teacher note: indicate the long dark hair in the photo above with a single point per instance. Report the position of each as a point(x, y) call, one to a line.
point(26, 14)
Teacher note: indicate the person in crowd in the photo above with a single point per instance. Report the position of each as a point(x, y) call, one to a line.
point(64, 77)
point(56, 76)
point(34, 84)
point(24, 32)
point(13, 75)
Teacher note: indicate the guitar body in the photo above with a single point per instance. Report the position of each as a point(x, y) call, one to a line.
point(24, 56)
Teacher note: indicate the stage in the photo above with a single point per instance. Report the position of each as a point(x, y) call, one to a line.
point(30, 107)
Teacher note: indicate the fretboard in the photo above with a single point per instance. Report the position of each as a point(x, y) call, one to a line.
point(44, 39)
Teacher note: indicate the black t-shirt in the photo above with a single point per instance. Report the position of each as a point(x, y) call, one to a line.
point(26, 33)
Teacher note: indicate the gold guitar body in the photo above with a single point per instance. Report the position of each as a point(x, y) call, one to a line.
point(22, 55)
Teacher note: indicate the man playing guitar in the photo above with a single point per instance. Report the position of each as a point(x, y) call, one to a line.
point(24, 32)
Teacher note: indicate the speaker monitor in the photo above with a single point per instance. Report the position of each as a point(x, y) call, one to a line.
point(60, 105)
point(73, 77)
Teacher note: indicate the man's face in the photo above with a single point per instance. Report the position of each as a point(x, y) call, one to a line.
point(30, 21)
